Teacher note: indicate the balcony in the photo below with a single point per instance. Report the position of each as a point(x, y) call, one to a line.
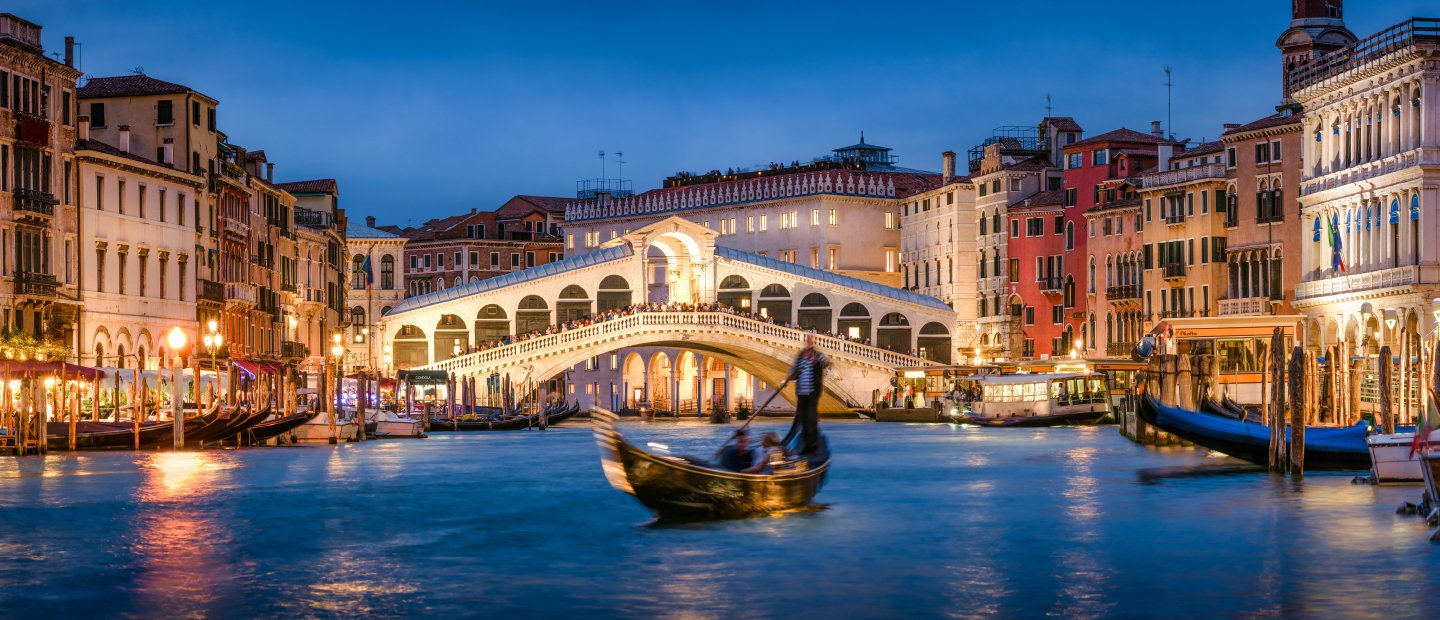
point(1372, 280)
point(1322, 181)
point(1244, 306)
point(1119, 349)
point(1174, 271)
point(235, 227)
point(1184, 314)
point(35, 284)
point(292, 350)
point(1174, 219)
point(1122, 293)
point(241, 294)
point(212, 292)
point(1192, 174)
point(1051, 286)
point(312, 219)
point(34, 204)
point(290, 287)
point(313, 296)
point(32, 130)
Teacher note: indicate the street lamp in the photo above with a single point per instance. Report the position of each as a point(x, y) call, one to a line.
point(212, 340)
point(177, 341)
point(337, 350)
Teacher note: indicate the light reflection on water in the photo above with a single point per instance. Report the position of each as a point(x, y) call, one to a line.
point(937, 520)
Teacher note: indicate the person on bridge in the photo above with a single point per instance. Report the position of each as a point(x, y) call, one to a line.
point(808, 373)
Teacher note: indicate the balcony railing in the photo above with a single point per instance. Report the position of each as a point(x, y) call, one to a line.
point(313, 296)
point(1174, 270)
point(35, 202)
point(1384, 278)
point(312, 219)
point(235, 227)
point(293, 350)
point(1184, 175)
point(241, 294)
point(211, 291)
point(1051, 286)
point(1370, 50)
point(290, 287)
point(35, 284)
point(1174, 219)
point(1122, 292)
point(1244, 306)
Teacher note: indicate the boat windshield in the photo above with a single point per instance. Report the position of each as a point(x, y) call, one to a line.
point(1078, 390)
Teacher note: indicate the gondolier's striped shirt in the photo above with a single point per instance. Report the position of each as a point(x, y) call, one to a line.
point(807, 373)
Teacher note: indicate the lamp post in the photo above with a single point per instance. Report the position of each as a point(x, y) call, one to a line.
point(177, 341)
point(212, 341)
point(337, 350)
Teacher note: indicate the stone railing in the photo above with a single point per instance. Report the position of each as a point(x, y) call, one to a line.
point(1370, 170)
point(1184, 175)
point(1384, 278)
point(678, 322)
point(734, 192)
point(1244, 305)
point(241, 293)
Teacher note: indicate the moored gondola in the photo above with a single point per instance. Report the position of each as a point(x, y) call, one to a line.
point(1341, 448)
point(681, 488)
point(118, 435)
point(270, 429)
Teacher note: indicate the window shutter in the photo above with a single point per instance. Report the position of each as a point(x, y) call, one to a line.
point(1148, 262)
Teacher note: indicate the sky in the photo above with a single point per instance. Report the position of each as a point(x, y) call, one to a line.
point(423, 109)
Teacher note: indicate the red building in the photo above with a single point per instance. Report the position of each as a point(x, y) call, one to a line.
point(1048, 234)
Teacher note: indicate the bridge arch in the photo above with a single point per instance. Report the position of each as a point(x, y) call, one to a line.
point(491, 325)
point(854, 322)
point(632, 380)
point(532, 314)
point(660, 374)
point(775, 303)
point(574, 303)
point(411, 347)
point(734, 292)
point(613, 293)
point(815, 313)
point(451, 334)
point(934, 342)
point(893, 333)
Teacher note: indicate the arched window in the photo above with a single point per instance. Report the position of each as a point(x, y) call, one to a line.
point(387, 272)
point(1394, 211)
point(357, 272)
point(1109, 328)
point(1315, 234)
point(1415, 207)
point(1070, 235)
point(357, 316)
point(1092, 275)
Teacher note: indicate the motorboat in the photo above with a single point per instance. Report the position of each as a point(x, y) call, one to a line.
point(386, 423)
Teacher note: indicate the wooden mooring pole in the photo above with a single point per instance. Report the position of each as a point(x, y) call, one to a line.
point(1387, 404)
point(1276, 417)
point(1299, 405)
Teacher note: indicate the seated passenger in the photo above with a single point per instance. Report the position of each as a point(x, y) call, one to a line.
point(737, 455)
point(769, 453)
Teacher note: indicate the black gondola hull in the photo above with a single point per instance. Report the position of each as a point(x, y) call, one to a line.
point(1254, 447)
point(675, 488)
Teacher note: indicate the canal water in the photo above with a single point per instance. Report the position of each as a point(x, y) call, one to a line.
point(917, 521)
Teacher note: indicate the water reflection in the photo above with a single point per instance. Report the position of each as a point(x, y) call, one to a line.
point(179, 541)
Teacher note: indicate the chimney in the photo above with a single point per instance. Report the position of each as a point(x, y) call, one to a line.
point(947, 167)
point(1155, 129)
point(82, 131)
point(1163, 153)
point(1229, 126)
point(370, 221)
point(69, 51)
point(125, 138)
point(269, 172)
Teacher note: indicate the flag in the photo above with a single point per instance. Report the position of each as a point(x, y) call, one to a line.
point(1336, 262)
point(369, 272)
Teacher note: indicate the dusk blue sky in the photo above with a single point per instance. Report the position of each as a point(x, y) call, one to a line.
point(425, 109)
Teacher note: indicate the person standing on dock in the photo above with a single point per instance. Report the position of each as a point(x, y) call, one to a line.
point(808, 373)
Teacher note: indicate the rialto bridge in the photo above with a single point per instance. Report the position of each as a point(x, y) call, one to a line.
point(868, 330)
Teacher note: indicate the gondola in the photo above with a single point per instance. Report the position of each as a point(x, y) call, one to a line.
point(1326, 447)
point(216, 428)
point(270, 429)
point(238, 424)
point(116, 435)
point(684, 488)
point(493, 422)
point(562, 413)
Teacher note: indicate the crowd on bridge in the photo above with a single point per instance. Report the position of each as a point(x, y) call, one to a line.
point(651, 306)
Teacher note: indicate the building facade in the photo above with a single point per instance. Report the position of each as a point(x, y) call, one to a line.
point(376, 286)
point(1369, 193)
point(39, 220)
point(1115, 266)
point(321, 265)
point(1184, 234)
point(136, 271)
point(444, 253)
point(938, 238)
point(1261, 215)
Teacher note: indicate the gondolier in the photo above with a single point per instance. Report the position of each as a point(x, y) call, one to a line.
point(808, 373)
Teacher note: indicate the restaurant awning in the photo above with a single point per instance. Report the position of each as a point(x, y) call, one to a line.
point(32, 367)
point(255, 369)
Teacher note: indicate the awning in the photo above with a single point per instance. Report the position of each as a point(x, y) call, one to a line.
point(15, 367)
point(255, 369)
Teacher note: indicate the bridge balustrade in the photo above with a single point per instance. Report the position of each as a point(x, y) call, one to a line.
point(591, 333)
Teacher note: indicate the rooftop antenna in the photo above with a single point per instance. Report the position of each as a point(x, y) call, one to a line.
point(137, 70)
point(1169, 127)
point(602, 164)
point(1047, 105)
point(620, 162)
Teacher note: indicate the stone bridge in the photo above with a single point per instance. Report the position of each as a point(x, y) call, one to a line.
point(867, 329)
